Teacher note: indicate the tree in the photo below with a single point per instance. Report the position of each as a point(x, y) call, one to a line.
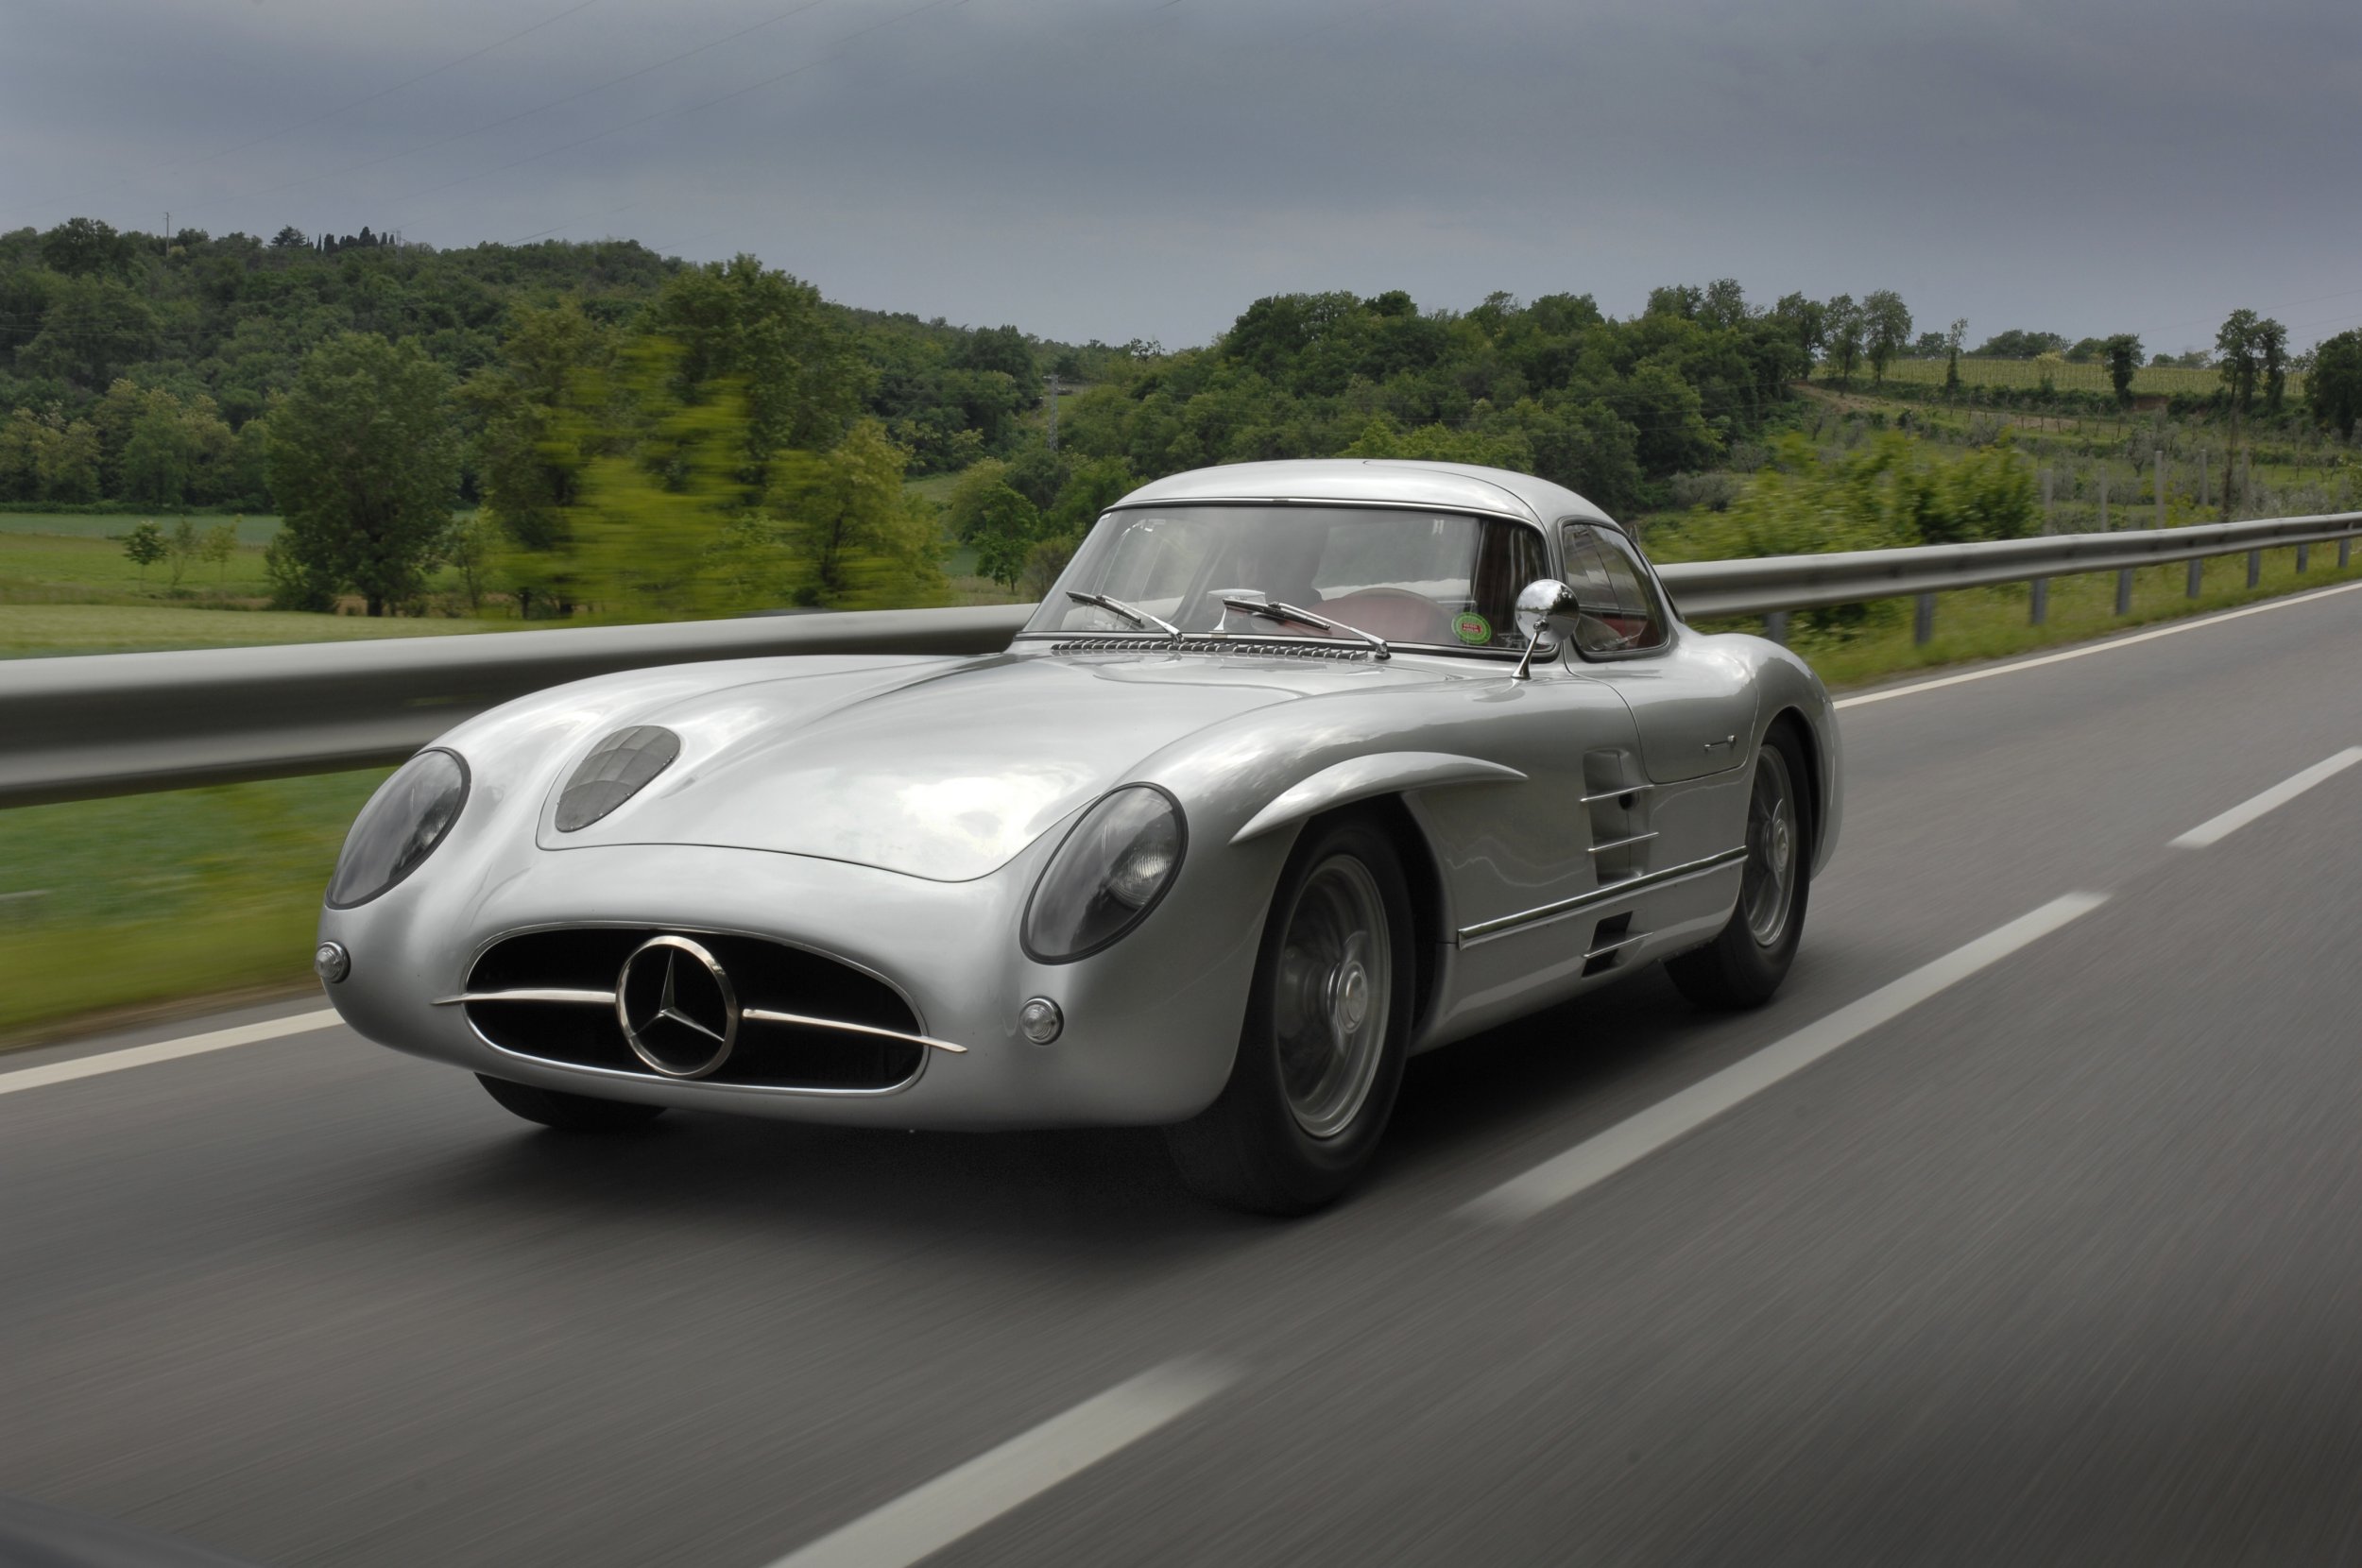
point(1001, 348)
point(1725, 304)
point(1887, 323)
point(2017, 343)
point(1803, 319)
point(2334, 387)
point(468, 547)
point(1007, 530)
point(144, 546)
point(218, 545)
point(2122, 351)
point(182, 547)
point(1842, 327)
point(365, 464)
point(2239, 357)
point(844, 516)
point(789, 356)
point(1952, 353)
point(2271, 356)
point(85, 247)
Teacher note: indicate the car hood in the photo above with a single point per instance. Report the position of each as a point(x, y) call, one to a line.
point(934, 770)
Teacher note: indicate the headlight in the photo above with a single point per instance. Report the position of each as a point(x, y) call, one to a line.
point(1109, 874)
point(400, 826)
point(617, 769)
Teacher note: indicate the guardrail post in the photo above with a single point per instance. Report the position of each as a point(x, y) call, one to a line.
point(2040, 609)
point(1924, 619)
point(2345, 554)
point(1776, 627)
point(2123, 592)
point(2197, 575)
point(2305, 556)
point(2255, 567)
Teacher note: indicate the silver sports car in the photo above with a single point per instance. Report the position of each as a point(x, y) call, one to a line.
point(1301, 769)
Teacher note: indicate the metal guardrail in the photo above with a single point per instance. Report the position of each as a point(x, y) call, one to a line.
point(80, 728)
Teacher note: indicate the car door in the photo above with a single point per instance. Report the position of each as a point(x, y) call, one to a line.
point(1693, 709)
point(1692, 702)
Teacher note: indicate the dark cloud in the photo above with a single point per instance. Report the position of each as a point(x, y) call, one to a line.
point(1121, 168)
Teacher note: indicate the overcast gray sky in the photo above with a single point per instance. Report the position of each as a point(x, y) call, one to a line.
point(1144, 168)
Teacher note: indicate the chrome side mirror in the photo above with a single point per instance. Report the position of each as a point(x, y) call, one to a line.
point(1543, 607)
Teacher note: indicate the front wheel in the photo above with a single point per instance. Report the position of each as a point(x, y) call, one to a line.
point(1745, 965)
point(568, 1113)
point(1328, 1022)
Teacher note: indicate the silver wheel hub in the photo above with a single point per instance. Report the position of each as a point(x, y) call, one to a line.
point(1767, 884)
point(1332, 1001)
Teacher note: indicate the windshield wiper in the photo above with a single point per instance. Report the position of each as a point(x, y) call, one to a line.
point(1272, 609)
point(1132, 613)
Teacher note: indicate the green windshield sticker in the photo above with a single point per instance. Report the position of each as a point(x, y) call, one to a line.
point(1472, 627)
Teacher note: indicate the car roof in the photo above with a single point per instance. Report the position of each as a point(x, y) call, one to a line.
point(1447, 487)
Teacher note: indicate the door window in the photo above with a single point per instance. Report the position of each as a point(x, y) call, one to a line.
point(1616, 609)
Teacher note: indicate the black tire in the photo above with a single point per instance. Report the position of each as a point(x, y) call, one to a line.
point(1739, 968)
point(568, 1112)
point(1295, 1125)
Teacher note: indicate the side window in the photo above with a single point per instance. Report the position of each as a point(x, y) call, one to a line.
point(1616, 611)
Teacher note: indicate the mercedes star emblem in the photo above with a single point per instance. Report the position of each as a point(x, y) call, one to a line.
point(677, 1008)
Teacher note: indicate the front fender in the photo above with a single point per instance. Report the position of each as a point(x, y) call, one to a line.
point(1361, 778)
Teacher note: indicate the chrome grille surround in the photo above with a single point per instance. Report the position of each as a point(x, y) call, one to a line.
point(807, 1023)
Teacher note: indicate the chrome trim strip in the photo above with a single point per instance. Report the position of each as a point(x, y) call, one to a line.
point(749, 1015)
point(765, 1015)
point(696, 1086)
point(1616, 947)
point(1621, 843)
point(1616, 794)
point(532, 994)
point(1615, 893)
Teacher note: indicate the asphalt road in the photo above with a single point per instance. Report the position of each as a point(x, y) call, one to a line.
point(2061, 1261)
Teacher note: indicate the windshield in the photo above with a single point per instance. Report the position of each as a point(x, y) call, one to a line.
point(1436, 579)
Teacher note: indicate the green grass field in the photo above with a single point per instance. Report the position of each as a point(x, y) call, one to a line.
point(2149, 380)
point(108, 904)
point(254, 529)
point(50, 561)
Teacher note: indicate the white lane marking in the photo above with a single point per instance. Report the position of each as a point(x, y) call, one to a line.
point(1596, 1159)
point(2216, 829)
point(960, 1501)
point(165, 1050)
point(2087, 650)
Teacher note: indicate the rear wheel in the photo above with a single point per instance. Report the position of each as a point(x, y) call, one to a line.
point(1328, 1021)
point(1745, 964)
point(573, 1112)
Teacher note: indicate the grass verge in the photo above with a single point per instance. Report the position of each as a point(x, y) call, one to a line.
point(175, 899)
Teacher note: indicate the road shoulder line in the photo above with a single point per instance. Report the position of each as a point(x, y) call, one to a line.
point(2191, 624)
point(2215, 829)
point(962, 1500)
point(165, 1050)
point(1594, 1160)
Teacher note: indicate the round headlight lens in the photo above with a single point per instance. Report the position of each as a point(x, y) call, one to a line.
point(1109, 874)
point(617, 769)
point(400, 826)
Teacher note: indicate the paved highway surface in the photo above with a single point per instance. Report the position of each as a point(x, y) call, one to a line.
point(2037, 1247)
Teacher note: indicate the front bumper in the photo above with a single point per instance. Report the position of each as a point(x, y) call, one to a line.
point(1152, 1023)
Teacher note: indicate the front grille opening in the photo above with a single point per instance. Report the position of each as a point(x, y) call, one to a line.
point(766, 975)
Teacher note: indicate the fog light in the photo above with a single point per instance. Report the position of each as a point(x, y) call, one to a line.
point(1040, 1020)
point(330, 962)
